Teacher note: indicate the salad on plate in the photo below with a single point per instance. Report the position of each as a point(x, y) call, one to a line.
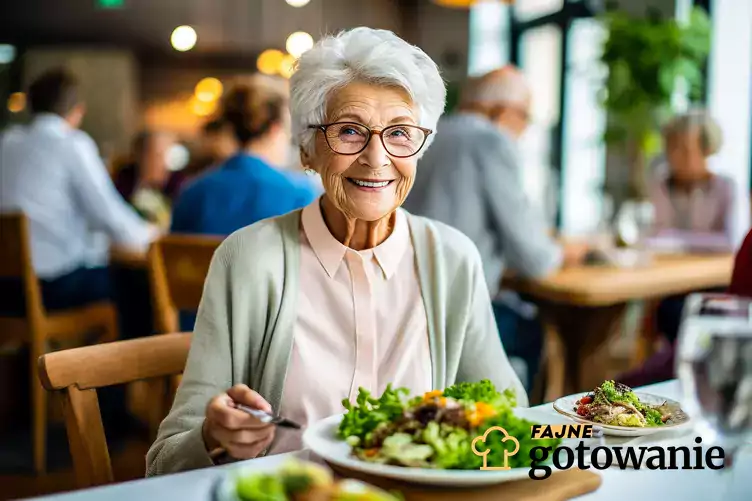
point(298, 481)
point(615, 404)
point(436, 430)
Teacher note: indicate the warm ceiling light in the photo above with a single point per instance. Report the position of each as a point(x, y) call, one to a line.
point(298, 43)
point(457, 4)
point(464, 4)
point(297, 3)
point(209, 89)
point(16, 102)
point(202, 108)
point(287, 66)
point(270, 61)
point(183, 38)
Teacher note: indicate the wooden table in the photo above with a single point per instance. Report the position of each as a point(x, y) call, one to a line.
point(582, 307)
point(128, 258)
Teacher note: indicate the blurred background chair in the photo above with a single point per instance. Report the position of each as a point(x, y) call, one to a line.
point(77, 373)
point(42, 330)
point(177, 266)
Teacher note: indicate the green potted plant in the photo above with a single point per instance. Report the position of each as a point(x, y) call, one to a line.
point(647, 57)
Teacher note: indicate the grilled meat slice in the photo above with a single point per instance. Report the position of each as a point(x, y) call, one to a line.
point(610, 413)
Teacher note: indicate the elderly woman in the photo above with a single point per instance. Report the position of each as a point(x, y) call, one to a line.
point(694, 207)
point(300, 311)
point(694, 210)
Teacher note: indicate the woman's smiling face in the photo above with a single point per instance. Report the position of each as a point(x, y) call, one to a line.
point(371, 184)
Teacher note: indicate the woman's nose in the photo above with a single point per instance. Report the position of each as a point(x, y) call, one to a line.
point(375, 156)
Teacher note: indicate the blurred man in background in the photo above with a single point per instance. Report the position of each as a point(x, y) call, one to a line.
point(52, 172)
point(470, 179)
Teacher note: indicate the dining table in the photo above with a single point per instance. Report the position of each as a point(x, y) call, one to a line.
point(616, 484)
point(582, 308)
point(128, 258)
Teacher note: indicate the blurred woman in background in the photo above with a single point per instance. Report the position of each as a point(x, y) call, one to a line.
point(694, 208)
point(147, 183)
point(215, 145)
point(248, 186)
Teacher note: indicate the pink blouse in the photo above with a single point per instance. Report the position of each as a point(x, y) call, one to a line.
point(361, 322)
point(702, 219)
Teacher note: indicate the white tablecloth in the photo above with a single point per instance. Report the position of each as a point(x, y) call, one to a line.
point(618, 485)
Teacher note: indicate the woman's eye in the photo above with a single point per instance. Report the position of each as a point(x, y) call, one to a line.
point(399, 133)
point(349, 131)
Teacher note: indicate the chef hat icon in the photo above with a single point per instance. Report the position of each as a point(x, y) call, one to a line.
point(484, 453)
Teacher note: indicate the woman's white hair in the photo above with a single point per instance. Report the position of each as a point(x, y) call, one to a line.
point(711, 135)
point(362, 55)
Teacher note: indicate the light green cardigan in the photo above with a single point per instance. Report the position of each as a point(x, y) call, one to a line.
point(245, 324)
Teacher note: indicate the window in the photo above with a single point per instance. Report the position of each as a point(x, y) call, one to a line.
point(489, 37)
point(525, 10)
point(540, 60)
point(584, 123)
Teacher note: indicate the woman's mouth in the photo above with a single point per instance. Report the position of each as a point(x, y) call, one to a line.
point(370, 184)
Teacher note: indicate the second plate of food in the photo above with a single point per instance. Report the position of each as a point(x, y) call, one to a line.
point(621, 412)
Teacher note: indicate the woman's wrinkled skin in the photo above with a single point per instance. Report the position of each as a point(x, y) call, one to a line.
point(357, 218)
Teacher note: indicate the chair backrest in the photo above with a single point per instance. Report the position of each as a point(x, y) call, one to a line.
point(178, 265)
point(78, 372)
point(15, 262)
point(15, 255)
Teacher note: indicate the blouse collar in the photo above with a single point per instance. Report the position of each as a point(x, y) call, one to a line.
point(330, 252)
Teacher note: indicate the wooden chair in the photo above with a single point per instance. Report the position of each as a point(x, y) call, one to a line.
point(648, 336)
point(78, 372)
point(178, 265)
point(39, 328)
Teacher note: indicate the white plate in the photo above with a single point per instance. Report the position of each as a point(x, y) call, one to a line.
point(226, 488)
point(565, 406)
point(321, 439)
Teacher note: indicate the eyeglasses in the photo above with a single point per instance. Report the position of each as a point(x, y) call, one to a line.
point(351, 138)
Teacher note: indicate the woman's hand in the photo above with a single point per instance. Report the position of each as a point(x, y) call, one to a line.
point(241, 435)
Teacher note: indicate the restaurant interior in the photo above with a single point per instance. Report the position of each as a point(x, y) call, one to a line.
point(625, 205)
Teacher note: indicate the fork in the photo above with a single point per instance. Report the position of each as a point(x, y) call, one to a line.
point(267, 418)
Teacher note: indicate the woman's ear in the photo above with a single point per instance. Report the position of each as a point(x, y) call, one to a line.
point(305, 159)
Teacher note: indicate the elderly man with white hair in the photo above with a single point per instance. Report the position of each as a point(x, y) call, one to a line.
point(301, 311)
point(471, 180)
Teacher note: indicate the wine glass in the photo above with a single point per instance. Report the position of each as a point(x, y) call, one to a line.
point(634, 225)
point(635, 221)
point(714, 367)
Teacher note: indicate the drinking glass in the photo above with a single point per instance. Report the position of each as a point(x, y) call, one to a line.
point(714, 367)
point(635, 221)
